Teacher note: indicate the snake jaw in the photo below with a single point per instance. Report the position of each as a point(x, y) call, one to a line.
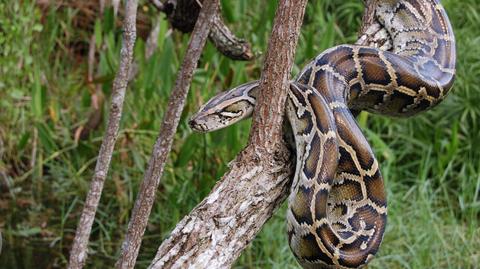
point(205, 123)
point(196, 126)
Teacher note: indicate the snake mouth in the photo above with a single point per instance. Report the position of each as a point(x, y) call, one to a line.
point(193, 125)
point(198, 127)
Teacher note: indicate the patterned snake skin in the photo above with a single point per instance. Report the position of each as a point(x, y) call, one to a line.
point(337, 206)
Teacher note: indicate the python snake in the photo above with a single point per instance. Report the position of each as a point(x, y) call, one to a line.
point(337, 207)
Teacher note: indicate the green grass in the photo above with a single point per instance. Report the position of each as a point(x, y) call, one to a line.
point(431, 162)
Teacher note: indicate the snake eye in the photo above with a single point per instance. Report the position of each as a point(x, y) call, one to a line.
point(231, 114)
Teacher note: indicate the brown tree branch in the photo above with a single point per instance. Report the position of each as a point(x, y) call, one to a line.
point(148, 188)
point(78, 253)
point(221, 226)
point(183, 14)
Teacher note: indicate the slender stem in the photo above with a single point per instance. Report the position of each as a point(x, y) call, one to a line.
point(78, 254)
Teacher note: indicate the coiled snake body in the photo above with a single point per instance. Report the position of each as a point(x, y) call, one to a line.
point(337, 206)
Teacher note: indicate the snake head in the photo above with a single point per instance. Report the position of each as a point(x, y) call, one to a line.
point(225, 109)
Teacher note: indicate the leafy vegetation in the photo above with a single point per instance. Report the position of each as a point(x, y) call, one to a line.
point(431, 162)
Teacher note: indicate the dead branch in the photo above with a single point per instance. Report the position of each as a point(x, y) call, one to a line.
point(183, 14)
point(150, 47)
point(152, 41)
point(95, 116)
point(148, 188)
point(78, 253)
point(221, 226)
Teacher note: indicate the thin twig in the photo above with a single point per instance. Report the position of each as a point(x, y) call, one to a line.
point(150, 47)
point(116, 4)
point(152, 40)
point(102, 6)
point(221, 226)
point(78, 253)
point(148, 188)
point(33, 158)
point(96, 95)
point(91, 58)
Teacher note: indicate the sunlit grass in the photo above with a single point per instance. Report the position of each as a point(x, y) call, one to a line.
point(431, 163)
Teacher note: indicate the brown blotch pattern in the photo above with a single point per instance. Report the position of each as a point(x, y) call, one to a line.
point(321, 199)
point(374, 70)
point(310, 251)
point(300, 206)
point(347, 191)
point(328, 237)
point(352, 255)
point(376, 189)
point(322, 113)
point(312, 160)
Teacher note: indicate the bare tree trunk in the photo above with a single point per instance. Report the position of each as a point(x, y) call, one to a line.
point(221, 226)
point(78, 253)
point(148, 188)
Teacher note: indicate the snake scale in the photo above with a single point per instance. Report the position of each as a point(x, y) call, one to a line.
point(337, 207)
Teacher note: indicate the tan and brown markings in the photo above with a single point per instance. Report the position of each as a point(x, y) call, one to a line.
point(337, 207)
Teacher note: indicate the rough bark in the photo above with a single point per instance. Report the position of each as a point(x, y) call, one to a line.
point(149, 185)
point(368, 16)
point(214, 234)
point(221, 226)
point(78, 253)
point(183, 14)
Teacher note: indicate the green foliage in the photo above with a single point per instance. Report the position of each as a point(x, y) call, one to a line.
point(431, 163)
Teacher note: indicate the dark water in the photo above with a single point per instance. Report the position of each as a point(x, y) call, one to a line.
point(28, 255)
